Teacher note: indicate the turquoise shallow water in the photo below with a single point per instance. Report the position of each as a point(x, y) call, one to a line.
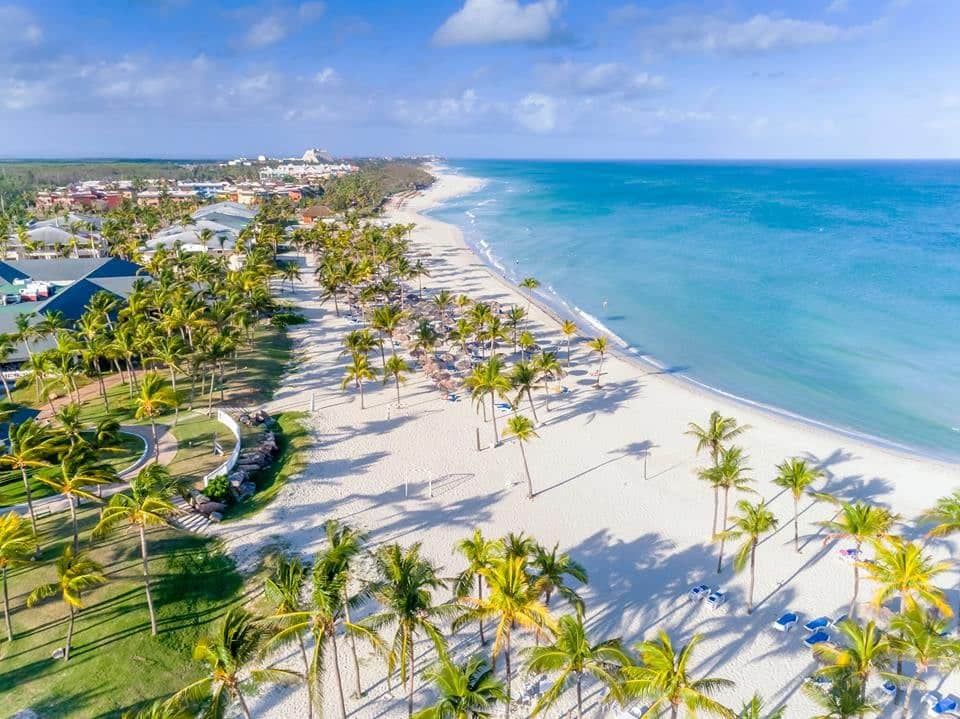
point(828, 290)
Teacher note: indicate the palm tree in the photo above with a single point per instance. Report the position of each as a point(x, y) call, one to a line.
point(530, 284)
point(526, 342)
point(346, 547)
point(569, 329)
point(76, 573)
point(902, 569)
point(753, 709)
point(284, 589)
point(487, 378)
point(523, 377)
point(945, 517)
point(147, 505)
point(662, 678)
point(386, 319)
point(514, 601)
point(8, 348)
point(442, 300)
point(153, 399)
point(754, 521)
point(547, 367)
point(863, 651)
point(842, 700)
point(404, 588)
point(515, 316)
point(396, 367)
point(714, 437)
point(859, 522)
point(15, 536)
point(551, 571)
point(796, 476)
point(571, 656)
point(729, 474)
point(289, 272)
point(480, 553)
point(32, 446)
point(464, 691)
point(228, 656)
point(358, 372)
point(599, 345)
point(522, 428)
point(158, 710)
point(78, 470)
point(922, 638)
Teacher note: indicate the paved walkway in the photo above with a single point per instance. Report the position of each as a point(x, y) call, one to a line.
point(168, 449)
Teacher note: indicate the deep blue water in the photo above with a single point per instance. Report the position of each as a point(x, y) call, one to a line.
point(826, 289)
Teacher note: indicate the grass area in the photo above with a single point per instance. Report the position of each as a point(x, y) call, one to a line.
point(292, 440)
point(195, 434)
point(11, 484)
point(115, 663)
point(261, 368)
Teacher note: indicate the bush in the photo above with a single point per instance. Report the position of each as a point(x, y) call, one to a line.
point(284, 319)
point(218, 489)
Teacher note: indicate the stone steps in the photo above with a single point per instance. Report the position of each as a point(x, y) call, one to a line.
point(188, 519)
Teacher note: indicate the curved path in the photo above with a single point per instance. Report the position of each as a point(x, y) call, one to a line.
point(168, 449)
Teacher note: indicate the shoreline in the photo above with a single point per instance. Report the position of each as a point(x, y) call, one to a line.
point(560, 309)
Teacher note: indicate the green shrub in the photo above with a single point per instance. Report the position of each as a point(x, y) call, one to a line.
point(218, 489)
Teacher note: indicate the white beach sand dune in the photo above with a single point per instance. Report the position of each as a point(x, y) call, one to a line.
point(644, 541)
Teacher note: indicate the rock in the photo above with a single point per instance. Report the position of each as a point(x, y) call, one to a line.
point(211, 507)
point(238, 477)
point(59, 653)
point(28, 713)
point(249, 467)
point(198, 499)
point(247, 489)
point(215, 517)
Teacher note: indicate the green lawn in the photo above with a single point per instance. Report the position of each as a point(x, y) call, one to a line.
point(115, 663)
point(292, 439)
point(11, 484)
point(195, 457)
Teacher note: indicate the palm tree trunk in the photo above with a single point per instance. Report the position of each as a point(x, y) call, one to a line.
point(856, 584)
point(306, 677)
point(579, 696)
point(410, 694)
point(796, 524)
point(546, 395)
point(353, 648)
point(66, 649)
point(532, 408)
point(396, 378)
point(483, 640)
point(526, 469)
point(493, 410)
point(243, 704)
point(6, 606)
point(360, 385)
point(600, 369)
point(753, 576)
point(156, 444)
point(568, 351)
point(723, 540)
point(673, 711)
point(716, 509)
point(73, 517)
point(906, 696)
point(336, 673)
point(6, 387)
point(146, 580)
point(26, 489)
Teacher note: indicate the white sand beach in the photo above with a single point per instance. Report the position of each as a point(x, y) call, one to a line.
point(644, 540)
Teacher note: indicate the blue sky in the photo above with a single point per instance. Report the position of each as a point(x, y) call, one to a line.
point(481, 78)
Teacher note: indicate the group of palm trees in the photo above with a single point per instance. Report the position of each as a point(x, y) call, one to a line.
point(507, 585)
point(900, 569)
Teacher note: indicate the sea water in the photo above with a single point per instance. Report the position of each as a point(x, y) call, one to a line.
point(829, 290)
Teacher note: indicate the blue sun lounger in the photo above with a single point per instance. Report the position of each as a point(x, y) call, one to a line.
point(947, 705)
point(818, 623)
point(816, 638)
point(786, 622)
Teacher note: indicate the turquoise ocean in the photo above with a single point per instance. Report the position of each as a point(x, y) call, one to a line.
point(826, 290)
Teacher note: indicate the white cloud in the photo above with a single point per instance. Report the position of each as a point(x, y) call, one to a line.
point(20, 28)
point(537, 112)
point(328, 77)
point(266, 31)
point(311, 10)
point(600, 79)
point(837, 6)
point(950, 101)
point(280, 24)
point(760, 33)
point(484, 22)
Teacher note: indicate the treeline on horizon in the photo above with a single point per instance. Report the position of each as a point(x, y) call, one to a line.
point(361, 191)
